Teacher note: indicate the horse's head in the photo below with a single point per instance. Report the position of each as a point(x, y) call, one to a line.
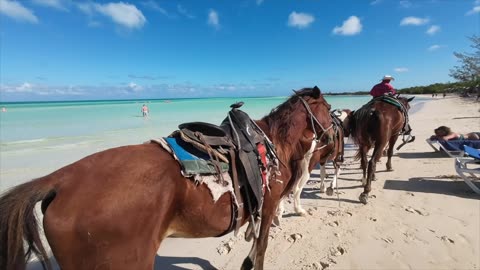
point(317, 112)
point(405, 101)
point(347, 122)
point(303, 118)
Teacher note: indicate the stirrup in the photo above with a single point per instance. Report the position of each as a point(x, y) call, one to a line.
point(253, 229)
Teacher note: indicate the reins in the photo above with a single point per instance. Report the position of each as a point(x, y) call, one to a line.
point(314, 120)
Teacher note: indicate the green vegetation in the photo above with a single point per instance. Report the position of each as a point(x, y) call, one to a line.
point(456, 87)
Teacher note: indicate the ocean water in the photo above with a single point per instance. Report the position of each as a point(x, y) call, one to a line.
point(37, 138)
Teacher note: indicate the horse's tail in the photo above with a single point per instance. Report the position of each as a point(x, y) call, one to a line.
point(18, 223)
point(365, 123)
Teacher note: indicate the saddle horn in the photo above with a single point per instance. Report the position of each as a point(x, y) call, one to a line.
point(237, 105)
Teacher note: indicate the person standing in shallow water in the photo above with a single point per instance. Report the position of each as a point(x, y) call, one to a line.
point(384, 87)
point(145, 110)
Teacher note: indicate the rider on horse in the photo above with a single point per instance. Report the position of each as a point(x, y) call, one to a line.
point(383, 88)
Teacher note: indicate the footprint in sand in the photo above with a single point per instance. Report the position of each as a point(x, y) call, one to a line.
point(337, 251)
point(416, 211)
point(446, 239)
point(388, 240)
point(226, 246)
point(334, 223)
point(294, 237)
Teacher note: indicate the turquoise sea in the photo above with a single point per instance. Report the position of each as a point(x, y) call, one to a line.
point(36, 138)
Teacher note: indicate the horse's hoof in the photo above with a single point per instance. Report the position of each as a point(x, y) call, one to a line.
point(276, 221)
point(329, 191)
point(322, 189)
point(247, 264)
point(389, 169)
point(363, 198)
point(301, 212)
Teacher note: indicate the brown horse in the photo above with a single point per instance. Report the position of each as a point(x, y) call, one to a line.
point(377, 124)
point(112, 209)
point(320, 154)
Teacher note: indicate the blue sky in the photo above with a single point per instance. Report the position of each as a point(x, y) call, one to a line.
point(70, 50)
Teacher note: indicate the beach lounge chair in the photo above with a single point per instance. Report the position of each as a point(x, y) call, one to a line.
point(472, 172)
point(454, 148)
point(441, 146)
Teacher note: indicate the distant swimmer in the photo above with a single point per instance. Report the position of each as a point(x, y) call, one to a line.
point(145, 110)
point(4, 109)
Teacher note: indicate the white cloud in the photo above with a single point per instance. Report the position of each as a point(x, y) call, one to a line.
point(126, 15)
point(375, 2)
point(435, 47)
point(414, 21)
point(350, 27)
point(153, 5)
point(405, 3)
point(25, 87)
point(184, 12)
point(17, 11)
point(432, 30)
point(86, 8)
point(133, 87)
point(213, 19)
point(300, 20)
point(401, 69)
point(474, 10)
point(259, 2)
point(58, 4)
point(477, 2)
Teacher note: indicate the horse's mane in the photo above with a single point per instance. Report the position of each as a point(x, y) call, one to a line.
point(283, 130)
point(281, 121)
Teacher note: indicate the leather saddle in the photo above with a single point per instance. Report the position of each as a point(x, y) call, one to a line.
point(236, 142)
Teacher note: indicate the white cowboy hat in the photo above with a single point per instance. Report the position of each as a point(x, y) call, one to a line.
point(388, 77)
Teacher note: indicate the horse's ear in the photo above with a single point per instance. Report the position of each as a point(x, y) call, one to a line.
point(316, 92)
point(410, 99)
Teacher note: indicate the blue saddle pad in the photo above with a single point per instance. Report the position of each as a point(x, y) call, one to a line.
point(458, 145)
point(192, 160)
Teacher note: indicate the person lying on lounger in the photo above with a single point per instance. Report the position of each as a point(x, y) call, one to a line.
point(445, 133)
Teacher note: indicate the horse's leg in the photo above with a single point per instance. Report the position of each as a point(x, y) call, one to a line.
point(297, 190)
point(334, 181)
point(256, 256)
point(377, 154)
point(391, 144)
point(363, 163)
point(279, 214)
point(322, 177)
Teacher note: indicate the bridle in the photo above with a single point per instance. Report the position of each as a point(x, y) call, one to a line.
point(314, 121)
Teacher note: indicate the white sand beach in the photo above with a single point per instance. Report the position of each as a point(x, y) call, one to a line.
point(420, 216)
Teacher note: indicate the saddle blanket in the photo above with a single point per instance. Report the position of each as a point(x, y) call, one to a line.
point(201, 171)
point(192, 160)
